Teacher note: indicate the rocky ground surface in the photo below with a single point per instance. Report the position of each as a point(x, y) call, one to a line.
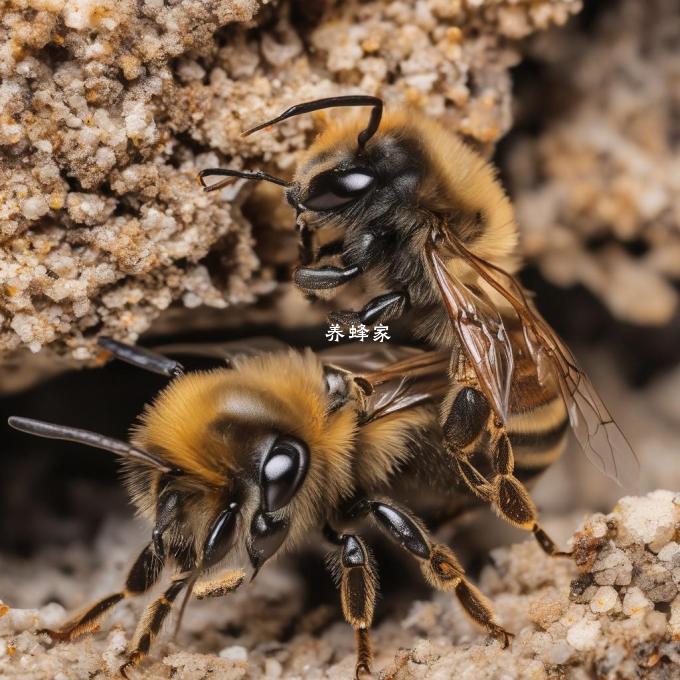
point(597, 188)
point(613, 612)
point(109, 109)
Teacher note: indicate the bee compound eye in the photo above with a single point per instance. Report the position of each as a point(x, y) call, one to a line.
point(220, 536)
point(283, 470)
point(334, 189)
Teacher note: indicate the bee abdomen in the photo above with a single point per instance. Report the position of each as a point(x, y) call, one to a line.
point(539, 449)
point(538, 436)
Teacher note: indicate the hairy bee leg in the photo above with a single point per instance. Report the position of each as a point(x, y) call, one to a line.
point(380, 308)
point(470, 415)
point(512, 499)
point(357, 593)
point(465, 422)
point(324, 277)
point(87, 622)
point(444, 572)
point(151, 622)
point(438, 563)
point(142, 575)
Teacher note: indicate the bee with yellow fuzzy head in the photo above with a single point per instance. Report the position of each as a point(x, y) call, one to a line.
point(383, 189)
point(403, 203)
point(243, 463)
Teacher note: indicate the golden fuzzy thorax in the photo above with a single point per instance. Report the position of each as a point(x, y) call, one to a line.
point(457, 176)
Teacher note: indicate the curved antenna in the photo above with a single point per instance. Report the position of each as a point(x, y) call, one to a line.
point(40, 428)
point(246, 174)
point(328, 103)
point(142, 357)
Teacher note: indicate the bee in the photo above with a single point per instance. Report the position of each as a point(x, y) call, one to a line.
point(241, 463)
point(404, 204)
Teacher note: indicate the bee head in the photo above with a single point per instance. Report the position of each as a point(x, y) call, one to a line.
point(378, 181)
point(341, 184)
point(326, 185)
point(264, 448)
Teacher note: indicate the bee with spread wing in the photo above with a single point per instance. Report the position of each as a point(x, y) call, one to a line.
point(243, 463)
point(421, 217)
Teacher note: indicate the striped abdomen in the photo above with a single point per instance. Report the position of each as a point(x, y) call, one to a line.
point(538, 423)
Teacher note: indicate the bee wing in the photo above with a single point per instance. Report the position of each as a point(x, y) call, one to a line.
point(361, 358)
point(400, 377)
point(597, 433)
point(414, 380)
point(405, 393)
point(482, 334)
point(599, 436)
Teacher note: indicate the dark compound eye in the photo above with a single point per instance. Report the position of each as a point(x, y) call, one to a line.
point(283, 471)
point(335, 189)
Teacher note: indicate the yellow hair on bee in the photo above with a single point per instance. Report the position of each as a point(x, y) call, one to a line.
point(473, 184)
point(283, 392)
point(386, 444)
point(458, 175)
point(296, 380)
point(174, 425)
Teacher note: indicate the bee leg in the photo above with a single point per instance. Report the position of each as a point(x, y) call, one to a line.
point(469, 416)
point(323, 278)
point(151, 622)
point(379, 309)
point(222, 585)
point(357, 593)
point(142, 576)
point(438, 563)
point(510, 497)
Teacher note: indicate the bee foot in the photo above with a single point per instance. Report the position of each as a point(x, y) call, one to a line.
point(502, 635)
point(54, 635)
point(360, 670)
point(132, 661)
point(66, 635)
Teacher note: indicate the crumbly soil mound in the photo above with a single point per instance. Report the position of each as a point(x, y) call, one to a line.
point(613, 612)
point(109, 109)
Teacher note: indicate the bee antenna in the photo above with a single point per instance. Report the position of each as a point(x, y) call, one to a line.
point(40, 428)
point(142, 357)
point(328, 103)
point(256, 175)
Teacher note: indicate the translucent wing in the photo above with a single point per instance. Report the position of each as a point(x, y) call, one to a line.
point(598, 435)
point(482, 334)
point(362, 358)
point(401, 377)
point(407, 383)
